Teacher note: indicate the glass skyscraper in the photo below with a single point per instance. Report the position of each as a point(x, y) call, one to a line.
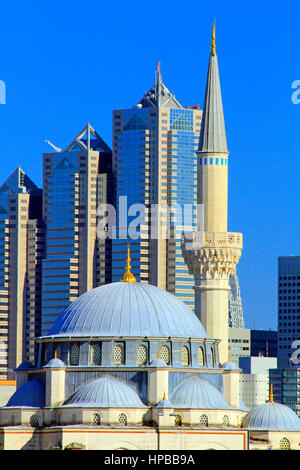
point(76, 181)
point(154, 161)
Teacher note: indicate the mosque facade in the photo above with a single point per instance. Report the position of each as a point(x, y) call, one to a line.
point(130, 366)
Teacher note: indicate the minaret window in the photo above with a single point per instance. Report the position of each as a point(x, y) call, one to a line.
point(141, 355)
point(119, 355)
point(165, 354)
point(185, 360)
point(200, 356)
point(75, 353)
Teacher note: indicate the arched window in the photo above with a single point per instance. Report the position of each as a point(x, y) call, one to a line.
point(95, 354)
point(141, 355)
point(164, 354)
point(122, 419)
point(96, 419)
point(212, 357)
point(200, 356)
point(73, 419)
point(75, 353)
point(284, 444)
point(119, 356)
point(225, 420)
point(178, 420)
point(185, 359)
point(203, 420)
point(34, 421)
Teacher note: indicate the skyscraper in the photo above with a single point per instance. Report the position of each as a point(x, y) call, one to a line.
point(236, 316)
point(154, 145)
point(75, 182)
point(21, 253)
point(216, 258)
point(288, 307)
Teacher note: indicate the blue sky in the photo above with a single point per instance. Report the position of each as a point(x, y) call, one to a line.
point(67, 63)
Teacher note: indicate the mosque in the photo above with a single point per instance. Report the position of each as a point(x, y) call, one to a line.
point(128, 366)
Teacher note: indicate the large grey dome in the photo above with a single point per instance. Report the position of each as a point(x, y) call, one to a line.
point(128, 309)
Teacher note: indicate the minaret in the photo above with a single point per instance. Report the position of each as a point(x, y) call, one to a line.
point(216, 257)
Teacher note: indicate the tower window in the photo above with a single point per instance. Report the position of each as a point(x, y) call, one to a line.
point(96, 419)
point(203, 420)
point(211, 161)
point(95, 354)
point(75, 353)
point(284, 444)
point(122, 419)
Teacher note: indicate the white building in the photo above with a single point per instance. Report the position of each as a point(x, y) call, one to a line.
point(254, 381)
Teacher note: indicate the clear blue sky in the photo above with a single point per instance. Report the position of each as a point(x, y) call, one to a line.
point(67, 63)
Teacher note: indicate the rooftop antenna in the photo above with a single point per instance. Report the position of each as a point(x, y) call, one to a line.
point(57, 149)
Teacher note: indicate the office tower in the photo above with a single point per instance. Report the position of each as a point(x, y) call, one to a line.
point(285, 383)
point(154, 145)
point(239, 341)
point(216, 257)
point(236, 316)
point(76, 181)
point(264, 343)
point(21, 253)
point(288, 307)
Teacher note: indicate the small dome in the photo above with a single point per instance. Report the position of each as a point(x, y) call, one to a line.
point(55, 363)
point(106, 392)
point(197, 393)
point(25, 365)
point(31, 394)
point(230, 366)
point(158, 363)
point(128, 309)
point(165, 403)
point(272, 416)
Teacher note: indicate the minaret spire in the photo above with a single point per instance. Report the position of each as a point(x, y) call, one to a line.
point(213, 40)
point(212, 134)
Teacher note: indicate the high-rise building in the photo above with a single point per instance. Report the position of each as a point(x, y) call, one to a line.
point(216, 257)
point(236, 315)
point(154, 159)
point(239, 343)
point(76, 181)
point(21, 253)
point(288, 307)
point(285, 383)
point(264, 343)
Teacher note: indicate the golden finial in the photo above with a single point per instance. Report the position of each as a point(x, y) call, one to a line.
point(164, 396)
point(55, 354)
point(271, 394)
point(158, 67)
point(128, 276)
point(213, 40)
point(158, 355)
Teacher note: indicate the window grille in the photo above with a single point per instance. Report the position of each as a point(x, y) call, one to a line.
point(141, 355)
point(123, 419)
point(203, 420)
point(226, 420)
point(96, 354)
point(34, 421)
point(119, 356)
point(165, 354)
point(284, 444)
point(184, 356)
point(75, 353)
point(96, 419)
point(73, 419)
